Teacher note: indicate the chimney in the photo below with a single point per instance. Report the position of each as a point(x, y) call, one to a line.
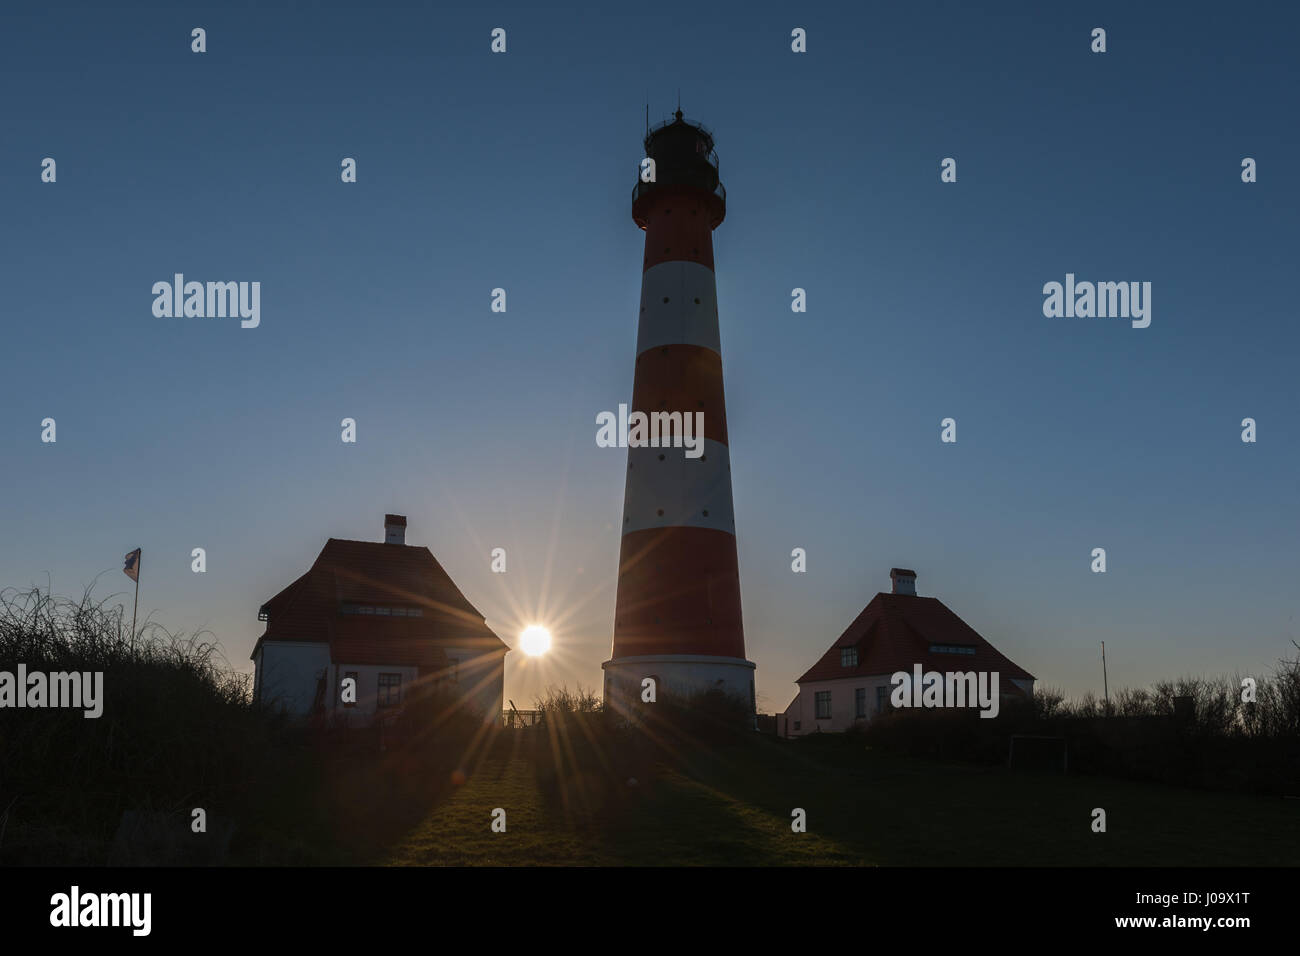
point(904, 581)
point(395, 529)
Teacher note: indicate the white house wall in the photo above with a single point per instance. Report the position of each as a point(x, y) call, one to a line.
point(287, 673)
point(257, 673)
point(367, 675)
point(481, 678)
point(803, 709)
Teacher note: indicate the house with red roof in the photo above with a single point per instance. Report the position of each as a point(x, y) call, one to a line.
point(851, 683)
point(387, 616)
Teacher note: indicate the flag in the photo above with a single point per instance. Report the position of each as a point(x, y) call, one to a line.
point(132, 568)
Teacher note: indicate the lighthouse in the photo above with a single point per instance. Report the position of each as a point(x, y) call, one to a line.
point(677, 618)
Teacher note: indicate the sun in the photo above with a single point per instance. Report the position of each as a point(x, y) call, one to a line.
point(535, 640)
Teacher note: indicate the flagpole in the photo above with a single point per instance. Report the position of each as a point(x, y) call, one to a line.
point(1105, 683)
point(138, 562)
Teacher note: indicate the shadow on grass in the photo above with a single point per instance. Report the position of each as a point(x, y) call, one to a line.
point(900, 811)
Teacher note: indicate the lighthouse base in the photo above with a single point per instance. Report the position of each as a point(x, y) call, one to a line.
point(680, 676)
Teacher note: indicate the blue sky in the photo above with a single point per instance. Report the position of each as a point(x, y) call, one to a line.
point(478, 171)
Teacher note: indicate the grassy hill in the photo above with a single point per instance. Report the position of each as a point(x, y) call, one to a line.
point(863, 808)
point(179, 732)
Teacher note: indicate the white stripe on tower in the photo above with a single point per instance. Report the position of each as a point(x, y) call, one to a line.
point(679, 306)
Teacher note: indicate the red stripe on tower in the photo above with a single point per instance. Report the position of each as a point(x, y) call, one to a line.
point(678, 617)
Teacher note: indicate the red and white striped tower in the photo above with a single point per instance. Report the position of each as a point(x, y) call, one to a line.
point(677, 617)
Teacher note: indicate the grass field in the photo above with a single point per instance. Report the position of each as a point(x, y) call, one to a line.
point(179, 732)
point(863, 808)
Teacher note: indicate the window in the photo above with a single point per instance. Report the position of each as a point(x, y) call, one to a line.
point(848, 657)
point(860, 702)
point(355, 687)
point(951, 649)
point(390, 690)
point(882, 698)
point(796, 724)
point(371, 609)
point(823, 700)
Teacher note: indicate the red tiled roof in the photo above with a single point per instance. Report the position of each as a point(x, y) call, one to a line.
point(378, 640)
point(382, 575)
point(895, 632)
point(281, 600)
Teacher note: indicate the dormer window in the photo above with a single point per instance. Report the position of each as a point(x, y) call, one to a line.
point(374, 609)
point(848, 657)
